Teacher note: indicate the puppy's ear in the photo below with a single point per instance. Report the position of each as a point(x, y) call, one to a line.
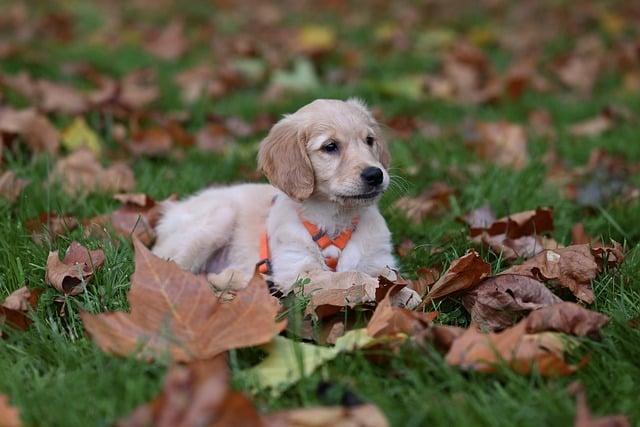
point(284, 161)
point(383, 150)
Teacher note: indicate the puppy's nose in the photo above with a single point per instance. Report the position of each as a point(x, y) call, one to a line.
point(372, 176)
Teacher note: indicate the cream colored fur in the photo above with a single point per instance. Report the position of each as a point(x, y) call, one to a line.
point(218, 230)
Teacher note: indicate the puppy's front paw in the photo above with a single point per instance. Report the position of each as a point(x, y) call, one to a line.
point(406, 298)
point(228, 280)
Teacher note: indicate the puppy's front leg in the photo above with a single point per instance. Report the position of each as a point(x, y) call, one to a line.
point(229, 280)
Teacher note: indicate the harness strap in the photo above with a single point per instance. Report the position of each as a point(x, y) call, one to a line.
point(319, 236)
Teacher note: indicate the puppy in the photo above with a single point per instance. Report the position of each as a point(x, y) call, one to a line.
point(327, 164)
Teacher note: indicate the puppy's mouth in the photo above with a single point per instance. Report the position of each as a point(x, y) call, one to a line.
point(362, 196)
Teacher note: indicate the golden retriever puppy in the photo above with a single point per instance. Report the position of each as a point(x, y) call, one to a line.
point(327, 165)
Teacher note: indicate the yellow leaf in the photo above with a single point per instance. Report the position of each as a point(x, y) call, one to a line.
point(79, 135)
point(288, 361)
point(316, 38)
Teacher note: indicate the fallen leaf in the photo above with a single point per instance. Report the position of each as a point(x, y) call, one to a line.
point(592, 127)
point(60, 98)
point(138, 89)
point(199, 393)
point(522, 352)
point(36, 130)
point(288, 361)
point(11, 186)
point(9, 415)
point(195, 82)
point(341, 416)
point(390, 321)
point(515, 236)
point(214, 138)
point(196, 394)
point(176, 312)
point(330, 294)
point(427, 277)
point(464, 273)
point(314, 39)
point(48, 226)
point(433, 201)
point(22, 299)
point(583, 414)
point(151, 142)
point(81, 173)
point(170, 43)
point(573, 267)
point(502, 143)
point(79, 135)
point(72, 273)
point(137, 217)
point(501, 301)
point(16, 306)
point(579, 72)
point(567, 317)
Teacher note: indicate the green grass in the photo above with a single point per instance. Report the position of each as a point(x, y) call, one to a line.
point(57, 377)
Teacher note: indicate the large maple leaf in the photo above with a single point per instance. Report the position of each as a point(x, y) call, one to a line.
point(174, 311)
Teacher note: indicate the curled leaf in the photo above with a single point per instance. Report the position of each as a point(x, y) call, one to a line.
point(501, 301)
point(74, 271)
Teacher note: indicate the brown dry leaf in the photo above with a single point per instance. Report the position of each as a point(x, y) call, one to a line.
point(592, 127)
point(138, 89)
point(463, 274)
point(583, 414)
point(48, 226)
point(36, 130)
point(9, 415)
point(433, 201)
point(168, 44)
point(176, 312)
point(11, 186)
point(60, 98)
point(214, 137)
point(72, 273)
point(567, 317)
point(573, 267)
point(502, 143)
point(81, 173)
point(155, 141)
point(579, 72)
point(427, 276)
point(197, 393)
point(137, 217)
point(501, 301)
point(522, 352)
point(366, 415)
point(389, 321)
point(195, 82)
point(514, 236)
point(22, 299)
point(330, 294)
point(15, 307)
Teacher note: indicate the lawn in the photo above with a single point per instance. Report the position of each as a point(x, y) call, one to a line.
point(389, 55)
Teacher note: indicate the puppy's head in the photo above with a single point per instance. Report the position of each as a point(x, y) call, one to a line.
point(327, 149)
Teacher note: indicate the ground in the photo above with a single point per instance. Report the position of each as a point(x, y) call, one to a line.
point(57, 376)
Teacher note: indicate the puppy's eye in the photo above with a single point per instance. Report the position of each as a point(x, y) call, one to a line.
point(331, 147)
point(369, 140)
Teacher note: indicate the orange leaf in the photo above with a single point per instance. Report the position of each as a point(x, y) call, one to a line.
point(174, 311)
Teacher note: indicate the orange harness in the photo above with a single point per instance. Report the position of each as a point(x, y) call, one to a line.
point(319, 236)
